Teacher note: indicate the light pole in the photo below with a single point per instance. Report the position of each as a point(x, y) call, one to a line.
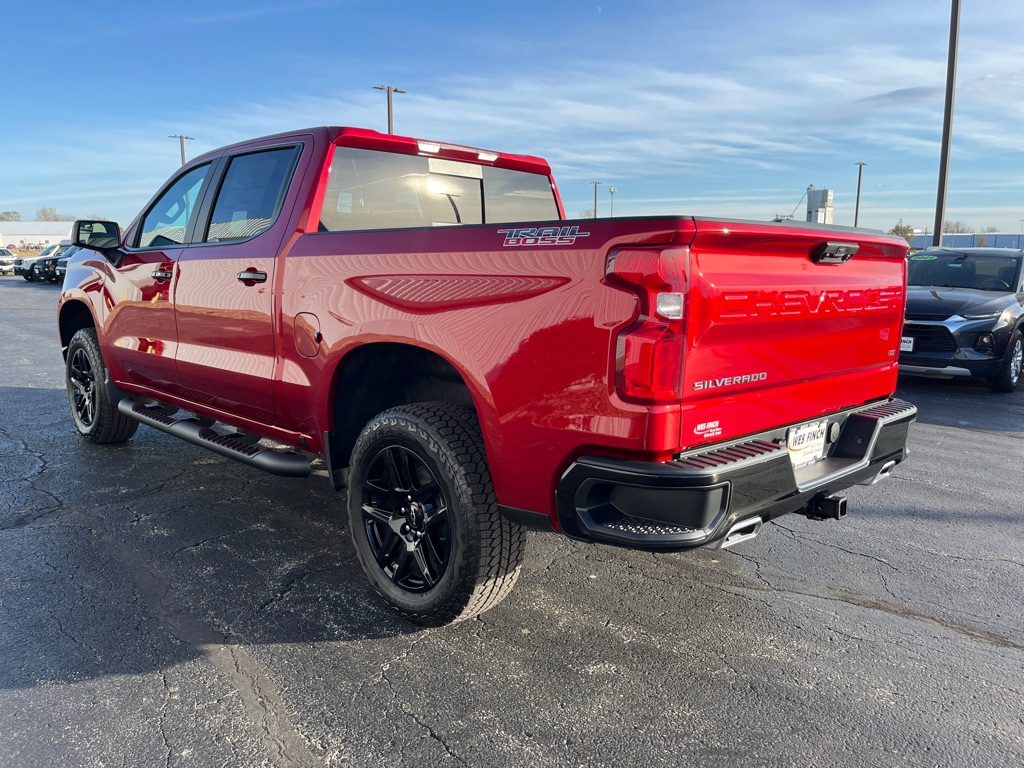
point(611, 195)
point(856, 211)
point(390, 89)
point(947, 120)
point(181, 138)
point(595, 197)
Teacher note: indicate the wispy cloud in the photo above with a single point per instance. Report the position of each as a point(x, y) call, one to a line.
point(278, 9)
point(740, 120)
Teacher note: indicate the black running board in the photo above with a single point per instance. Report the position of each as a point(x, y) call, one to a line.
point(238, 447)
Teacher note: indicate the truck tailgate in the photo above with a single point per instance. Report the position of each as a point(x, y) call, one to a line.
point(779, 330)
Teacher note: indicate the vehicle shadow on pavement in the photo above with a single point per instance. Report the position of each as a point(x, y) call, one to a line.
point(129, 558)
point(963, 402)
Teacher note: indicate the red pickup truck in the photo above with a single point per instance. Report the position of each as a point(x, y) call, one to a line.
point(419, 321)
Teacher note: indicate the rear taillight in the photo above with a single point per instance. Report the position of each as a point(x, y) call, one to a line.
point(649, 353)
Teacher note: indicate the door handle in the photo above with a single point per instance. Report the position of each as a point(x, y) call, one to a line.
point(161, 274)
point(252, 276)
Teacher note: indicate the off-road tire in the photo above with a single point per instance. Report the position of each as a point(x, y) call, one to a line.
point(408, 463)
point(95, 416)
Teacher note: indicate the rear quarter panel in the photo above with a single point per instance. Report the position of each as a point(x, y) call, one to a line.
point(531, 329)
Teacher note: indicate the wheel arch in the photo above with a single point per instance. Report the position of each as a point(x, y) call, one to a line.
point(74, 315)
point(381, 375)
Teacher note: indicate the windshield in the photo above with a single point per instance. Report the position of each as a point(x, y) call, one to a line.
point(950, 269)
point(49, 249)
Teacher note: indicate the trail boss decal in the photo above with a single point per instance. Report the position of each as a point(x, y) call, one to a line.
point(541, 236)
point(729, 381)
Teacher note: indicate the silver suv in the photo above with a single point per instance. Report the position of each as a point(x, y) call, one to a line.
point(6, 262)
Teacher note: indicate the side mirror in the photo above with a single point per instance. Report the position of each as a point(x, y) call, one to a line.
point(96, 235)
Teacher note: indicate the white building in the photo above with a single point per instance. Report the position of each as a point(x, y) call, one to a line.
point(21, 233)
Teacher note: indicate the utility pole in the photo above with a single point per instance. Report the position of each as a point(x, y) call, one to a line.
point(595, 183)
point(856, 211)
point(182, 140)
point(390, 89)
point(947, 120)
point(611, 194)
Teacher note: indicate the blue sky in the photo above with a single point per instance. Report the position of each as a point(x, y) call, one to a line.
point(728, 108)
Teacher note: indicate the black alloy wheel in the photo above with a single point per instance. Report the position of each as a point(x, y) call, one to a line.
point(405, 518)
point(82, 388)
point(93, 411)
point(424, 518)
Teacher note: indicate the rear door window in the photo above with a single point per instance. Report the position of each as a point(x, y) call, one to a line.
point(251, 194)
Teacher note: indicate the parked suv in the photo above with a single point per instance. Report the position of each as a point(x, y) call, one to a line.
point(7, 260)
point(25, 266)
point(965, 315)
point(48, 267)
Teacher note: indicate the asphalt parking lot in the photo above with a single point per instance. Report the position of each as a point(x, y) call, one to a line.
point(160, 605)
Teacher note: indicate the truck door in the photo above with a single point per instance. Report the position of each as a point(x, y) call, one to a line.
point(224, 295)
point(140, 325)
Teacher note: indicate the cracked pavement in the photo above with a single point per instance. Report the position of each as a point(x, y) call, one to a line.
point(161, 605)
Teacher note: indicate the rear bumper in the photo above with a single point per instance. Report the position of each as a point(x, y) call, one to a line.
point(699, 497)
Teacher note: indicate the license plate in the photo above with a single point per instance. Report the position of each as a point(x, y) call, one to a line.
point(806, 443)
point(907, 344)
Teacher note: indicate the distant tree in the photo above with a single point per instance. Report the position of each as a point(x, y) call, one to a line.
point(587, 213)
point(956, 227)
point(990, 229)
point(903, 230)
point(10, 216)
point(50, 214)
point(981, 241)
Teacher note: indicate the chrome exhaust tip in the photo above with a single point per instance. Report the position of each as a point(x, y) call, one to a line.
point(883, 473)
point(742, 531)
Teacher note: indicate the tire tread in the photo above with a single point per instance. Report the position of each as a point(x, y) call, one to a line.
point(497, 546)
point(110, 425)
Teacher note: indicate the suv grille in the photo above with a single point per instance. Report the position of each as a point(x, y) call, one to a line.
point(930, 338)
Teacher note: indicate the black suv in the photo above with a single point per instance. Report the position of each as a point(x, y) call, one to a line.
point(53, 267)
point(965, 312)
